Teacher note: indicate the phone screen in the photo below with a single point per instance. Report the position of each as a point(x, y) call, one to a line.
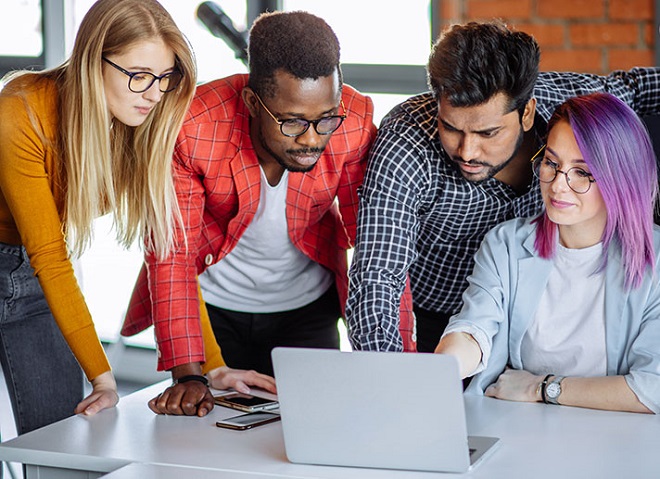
point(249, 400)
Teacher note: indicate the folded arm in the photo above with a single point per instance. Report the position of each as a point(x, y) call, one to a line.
point(611, 393)
point(639, 87)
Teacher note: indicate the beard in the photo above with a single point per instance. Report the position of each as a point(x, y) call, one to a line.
point(492, 170)
point(288, 165)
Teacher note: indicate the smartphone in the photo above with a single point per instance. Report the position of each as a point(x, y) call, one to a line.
point(248, 421)
point(246, 402)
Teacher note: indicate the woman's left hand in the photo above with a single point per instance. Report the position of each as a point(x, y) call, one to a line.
point(103, 395)
point(516, 385)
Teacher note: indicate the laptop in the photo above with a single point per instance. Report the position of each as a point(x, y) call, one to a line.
point(375, 409)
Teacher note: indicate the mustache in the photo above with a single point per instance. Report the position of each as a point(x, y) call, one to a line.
point(457, 159)
point(305, 151)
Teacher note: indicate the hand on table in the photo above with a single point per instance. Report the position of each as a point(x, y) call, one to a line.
point(516, 385)
point(103, 395)
point(239, 379)
point(193, 398)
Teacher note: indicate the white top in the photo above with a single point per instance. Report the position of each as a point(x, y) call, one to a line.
point(567, 334)
point(265, 272)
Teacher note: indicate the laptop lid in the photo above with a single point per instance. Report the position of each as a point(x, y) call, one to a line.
point(372, 409)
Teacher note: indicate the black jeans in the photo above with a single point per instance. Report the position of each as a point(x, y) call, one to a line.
point(430, 326)
point(246, 339)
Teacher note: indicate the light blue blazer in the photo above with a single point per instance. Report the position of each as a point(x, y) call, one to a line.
point(505, 289)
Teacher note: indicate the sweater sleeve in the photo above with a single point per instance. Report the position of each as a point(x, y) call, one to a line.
point(30, 216)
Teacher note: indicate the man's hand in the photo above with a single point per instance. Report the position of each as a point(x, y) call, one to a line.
point(240, 380)
point(516, 385)
point(191, 398)
point(103, 395)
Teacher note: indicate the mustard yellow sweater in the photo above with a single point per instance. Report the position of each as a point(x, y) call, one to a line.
point(31, 204)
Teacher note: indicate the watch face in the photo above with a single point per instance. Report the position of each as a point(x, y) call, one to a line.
point(553, 390)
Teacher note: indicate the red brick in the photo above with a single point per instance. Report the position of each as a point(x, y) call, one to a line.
point(588, 60)
point(546, 35)
point(451, 10)
point(504, 9)
point(650, 34)
point(631, 9)
point(624, 58)
point(571, 8)
point(604, 34)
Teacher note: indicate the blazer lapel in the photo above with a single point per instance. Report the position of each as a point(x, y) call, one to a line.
point(616, 297)
point(535, 271)
point(247, 179)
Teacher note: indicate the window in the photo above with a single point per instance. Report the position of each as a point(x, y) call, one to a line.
point(20, 28)
point(21, 38)
point(376, 32)
point(384, 46)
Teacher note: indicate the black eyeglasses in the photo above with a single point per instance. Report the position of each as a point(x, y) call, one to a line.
point(298, 126)
point(546, 171)
point(139, 82)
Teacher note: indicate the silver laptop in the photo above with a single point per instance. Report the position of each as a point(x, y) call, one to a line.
point(374, 409)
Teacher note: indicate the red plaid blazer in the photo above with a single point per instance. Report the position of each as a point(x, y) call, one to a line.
point(217, 180)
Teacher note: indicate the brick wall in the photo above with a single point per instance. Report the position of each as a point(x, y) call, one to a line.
point(595, 36)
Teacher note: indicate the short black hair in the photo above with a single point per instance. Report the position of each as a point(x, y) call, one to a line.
point(297, 42)
point(471, 63)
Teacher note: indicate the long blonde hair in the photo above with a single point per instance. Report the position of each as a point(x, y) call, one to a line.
point(114, 167)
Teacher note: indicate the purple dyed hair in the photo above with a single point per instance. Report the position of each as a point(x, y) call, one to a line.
point(616, 147)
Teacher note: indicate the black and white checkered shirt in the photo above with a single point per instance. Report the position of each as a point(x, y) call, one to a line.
point(419, 216)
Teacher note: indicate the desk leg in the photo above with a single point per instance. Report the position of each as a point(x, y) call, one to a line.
point(45, 472)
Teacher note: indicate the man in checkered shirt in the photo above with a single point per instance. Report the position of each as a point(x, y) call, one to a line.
point(446, 167)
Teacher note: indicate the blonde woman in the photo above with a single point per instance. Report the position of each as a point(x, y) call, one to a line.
point(92, 136)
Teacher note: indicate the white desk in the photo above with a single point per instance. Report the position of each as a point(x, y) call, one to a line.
point(537, 441)
point(152, 471)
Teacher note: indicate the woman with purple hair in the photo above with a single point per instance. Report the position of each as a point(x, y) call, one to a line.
point(565, 308)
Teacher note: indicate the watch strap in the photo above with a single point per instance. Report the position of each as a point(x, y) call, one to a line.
point(192, 377)
point(542, 386)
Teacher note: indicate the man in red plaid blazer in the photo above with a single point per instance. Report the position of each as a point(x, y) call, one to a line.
point(266, 171)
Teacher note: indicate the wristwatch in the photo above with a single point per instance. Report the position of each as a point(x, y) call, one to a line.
point(192, 377)
point(553, 390)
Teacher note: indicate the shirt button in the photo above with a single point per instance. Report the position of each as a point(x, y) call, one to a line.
point(208, 260)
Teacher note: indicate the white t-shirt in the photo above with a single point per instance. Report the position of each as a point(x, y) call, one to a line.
point(567, 334)
point(265, 272)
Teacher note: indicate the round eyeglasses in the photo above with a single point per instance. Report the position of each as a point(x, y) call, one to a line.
point(139, 82)
point(298, 126)
point(546, 171)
